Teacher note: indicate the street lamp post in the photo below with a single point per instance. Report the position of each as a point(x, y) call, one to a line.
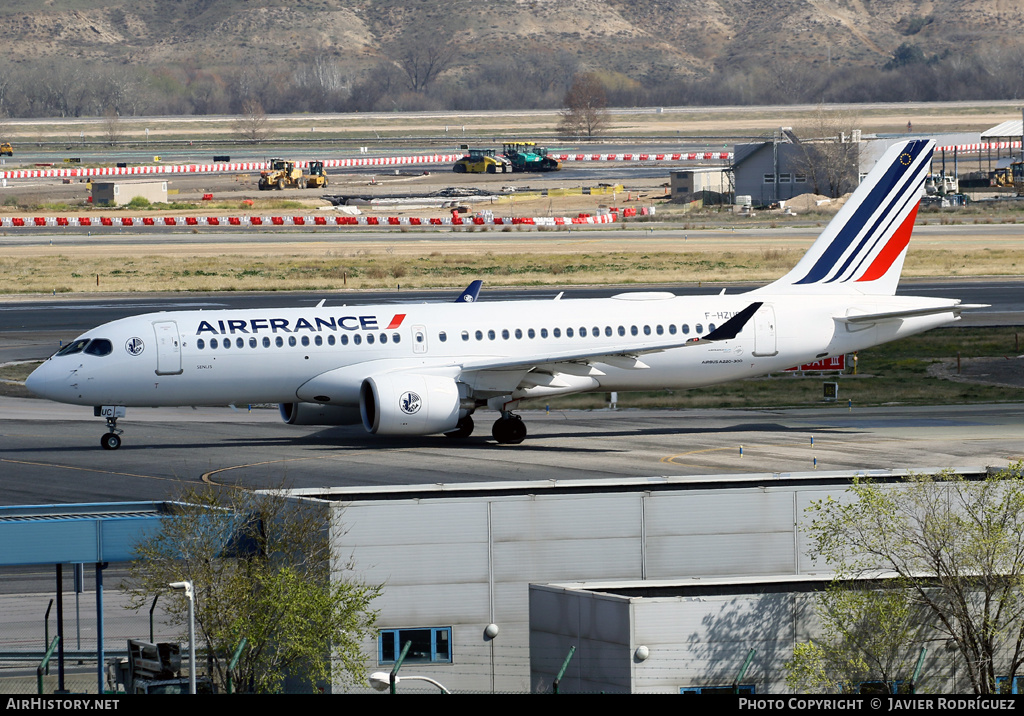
point(190, 595)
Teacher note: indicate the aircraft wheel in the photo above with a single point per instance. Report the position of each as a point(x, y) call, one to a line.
point(110, 441)
point(509, 431)
point(463, 430)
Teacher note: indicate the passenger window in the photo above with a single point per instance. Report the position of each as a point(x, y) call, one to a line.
point(543, 332)
point(357, 339)
point(369, 338)
point(292, 341)
point(647, 330)
point(396, 337)
point(711, 327)
point(266, 342)
point(568, 333)
point(490, 335)
point(633, 331)
point(686, 329)
point(252, 342)
point(330, 339)
point(279, 342)
point(465, 335)
point(319, 340)
point(556, 332)
point(700, 329)
point(240, 343)
point(344, 339)
point(504, 333)
point(530, 333)
point(519, 333)
point(622, 330)
point(479, 335)
point(200, 344)
point(660, 329)
point(383, 337)
point(607, 330)
point(672, 328)
point(214, 343)
point(442, 336)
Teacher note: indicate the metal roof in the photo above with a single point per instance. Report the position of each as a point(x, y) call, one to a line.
point(1009, 128)
point(64, 534)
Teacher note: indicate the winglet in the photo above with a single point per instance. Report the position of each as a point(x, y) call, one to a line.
point(471, 292)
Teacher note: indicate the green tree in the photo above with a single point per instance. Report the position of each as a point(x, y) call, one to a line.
point(867, 633)
point(954, 546)
point(262, 570)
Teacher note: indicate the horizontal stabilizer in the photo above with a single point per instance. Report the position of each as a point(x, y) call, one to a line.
point(910, 313)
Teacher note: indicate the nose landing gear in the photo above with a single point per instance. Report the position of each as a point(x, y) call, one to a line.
point(112, 439)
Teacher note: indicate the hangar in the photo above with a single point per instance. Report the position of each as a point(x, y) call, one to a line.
point(492, 582)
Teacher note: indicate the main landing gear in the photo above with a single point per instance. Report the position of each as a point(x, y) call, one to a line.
point(112, 439)
point(509, 429)
point(463, 429)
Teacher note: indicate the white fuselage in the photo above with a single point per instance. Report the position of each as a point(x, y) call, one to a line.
point(323, 354)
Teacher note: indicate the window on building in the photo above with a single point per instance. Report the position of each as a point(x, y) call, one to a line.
point(769, 178)
point(742, 689)
point(429, 645)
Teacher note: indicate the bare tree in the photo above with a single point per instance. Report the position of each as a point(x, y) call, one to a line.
point(113, 131)
point(584, 114)
point(252, 124)
point(422, 57)
point(829, 156)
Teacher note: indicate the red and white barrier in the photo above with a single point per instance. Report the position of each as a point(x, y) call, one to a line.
point(223, 167)
point(318, 220)
point(980, 147)
point(411, 160)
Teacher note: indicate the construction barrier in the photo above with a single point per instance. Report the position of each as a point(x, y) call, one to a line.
point(218, 221)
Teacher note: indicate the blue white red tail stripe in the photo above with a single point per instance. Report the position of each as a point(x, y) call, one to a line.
point(862, 248)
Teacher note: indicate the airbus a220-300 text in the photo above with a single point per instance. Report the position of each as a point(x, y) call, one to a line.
point(428, 368)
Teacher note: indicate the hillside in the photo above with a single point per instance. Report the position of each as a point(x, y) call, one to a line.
point(630, 36)
point(636, 45)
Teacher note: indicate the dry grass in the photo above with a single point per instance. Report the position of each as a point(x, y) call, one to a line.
point(324, 267)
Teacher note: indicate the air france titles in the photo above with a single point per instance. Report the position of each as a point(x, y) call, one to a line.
point(317, 324)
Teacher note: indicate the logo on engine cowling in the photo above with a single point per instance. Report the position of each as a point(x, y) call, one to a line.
point(410, 402)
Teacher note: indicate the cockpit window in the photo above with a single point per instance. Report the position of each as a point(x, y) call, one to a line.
point(100, 347)
point(74, 347)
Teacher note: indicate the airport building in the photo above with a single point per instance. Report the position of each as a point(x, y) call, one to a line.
point(661, 585)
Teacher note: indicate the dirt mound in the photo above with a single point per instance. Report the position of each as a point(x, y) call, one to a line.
point(815, 202)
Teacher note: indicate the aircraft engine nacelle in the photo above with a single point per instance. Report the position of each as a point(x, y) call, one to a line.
point(404, 404)
point(317, 414)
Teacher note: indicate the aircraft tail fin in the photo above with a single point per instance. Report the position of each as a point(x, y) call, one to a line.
point(861, 251)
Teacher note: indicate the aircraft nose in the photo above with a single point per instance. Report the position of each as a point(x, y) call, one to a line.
point(39, 380)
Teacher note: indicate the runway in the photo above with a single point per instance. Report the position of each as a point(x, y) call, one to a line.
point(50, 453)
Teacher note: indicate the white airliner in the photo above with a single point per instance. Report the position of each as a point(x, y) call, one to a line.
point(426, 368)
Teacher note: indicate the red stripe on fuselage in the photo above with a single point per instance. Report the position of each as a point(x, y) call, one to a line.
point(396, 321)
point(892, 250)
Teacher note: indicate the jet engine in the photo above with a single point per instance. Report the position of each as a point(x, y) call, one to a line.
point(317, 414)
point(404, 404)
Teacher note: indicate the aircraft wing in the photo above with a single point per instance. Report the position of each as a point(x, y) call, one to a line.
point(909, 313)
point(625, 355)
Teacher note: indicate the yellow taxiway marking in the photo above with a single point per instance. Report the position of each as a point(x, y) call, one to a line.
point(87, 469)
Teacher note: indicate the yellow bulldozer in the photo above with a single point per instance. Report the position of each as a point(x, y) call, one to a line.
point(317, 178)
point(6, 148)
point(280, 175)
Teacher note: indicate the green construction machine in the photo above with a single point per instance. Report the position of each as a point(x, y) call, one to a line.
point(528, 157)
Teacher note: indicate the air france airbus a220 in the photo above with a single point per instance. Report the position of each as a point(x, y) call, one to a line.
point(427, 368)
